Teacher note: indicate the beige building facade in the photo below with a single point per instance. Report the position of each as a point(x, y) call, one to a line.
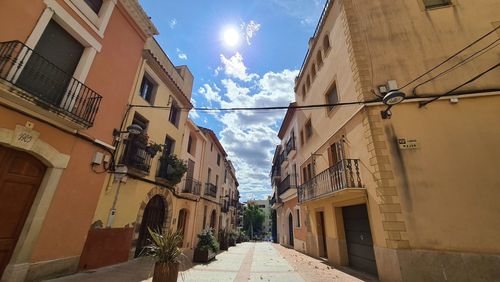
point(402, 196)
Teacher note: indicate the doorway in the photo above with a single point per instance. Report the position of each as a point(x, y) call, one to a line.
point(290, 229)
point(322, 248)
point(153, 217)
point(20, 178)
point(359, 239)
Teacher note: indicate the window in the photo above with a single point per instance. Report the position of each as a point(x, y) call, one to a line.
point(217, 180)
point(191, 148)
point(297, 213)
point(174, 114)
point(147, 89)
point(308, 130)
point(326, 43)
point(319, 59)
point(302, 140)
point(332, 97)
point(140, 121)
point(204, 216)
point(209, 175)
point(313, 70)
point(95, 5)
point(225, 176)
point(304, 91)
point(169, 146)
point(211, 147)
point(218, 159)
point(308, 83)
point(429, 4)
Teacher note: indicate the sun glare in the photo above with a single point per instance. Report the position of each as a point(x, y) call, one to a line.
point(231, 37)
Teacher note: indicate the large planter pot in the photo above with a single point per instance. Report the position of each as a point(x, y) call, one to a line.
point(203, 256)
point(232, 242)
point(224, 245)
point(165, 272)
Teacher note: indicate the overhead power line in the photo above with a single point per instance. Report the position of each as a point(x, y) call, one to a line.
point(449, 58)
point(473, 56)
point(423, 103)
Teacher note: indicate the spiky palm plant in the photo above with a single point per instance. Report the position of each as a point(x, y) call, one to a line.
point(165, 247)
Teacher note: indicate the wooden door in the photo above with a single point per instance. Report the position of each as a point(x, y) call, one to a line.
point(290, 230)
point(359, 239)
point(322, 247)
point(20, 177)
point(153, 217)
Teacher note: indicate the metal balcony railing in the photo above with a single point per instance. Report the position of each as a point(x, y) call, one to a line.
point(192, 186)
point(225, 206)
point(46, 85)
point(211, 190)
point(136, 155)
point(287, 183)
point(233, 203)
point(342, 175)
point(290, 146)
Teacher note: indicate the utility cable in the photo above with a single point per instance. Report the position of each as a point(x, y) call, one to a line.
point(472, 57)
point(451, 57)
point(424, 103)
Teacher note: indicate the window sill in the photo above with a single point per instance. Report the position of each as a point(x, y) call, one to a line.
point(432, 8)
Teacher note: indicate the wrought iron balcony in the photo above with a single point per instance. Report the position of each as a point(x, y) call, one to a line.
point(41, 82)
point(342, 175)
point(210, 190)
point(234, 203)
point(136, 155)
point(287, 183)
point(191, 186)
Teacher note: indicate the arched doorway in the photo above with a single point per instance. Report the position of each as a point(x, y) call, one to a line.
point(154, 217)
point(290, 229)
point(182, 223)
point(20, 178)
point(213, 218)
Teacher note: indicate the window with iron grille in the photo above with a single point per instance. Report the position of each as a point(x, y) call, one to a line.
point(429, 4)
point(95, 5)
point(332, 97)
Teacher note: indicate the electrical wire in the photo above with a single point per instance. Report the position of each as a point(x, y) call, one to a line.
point(449, 58)
point(424, 103)
point(472, 57)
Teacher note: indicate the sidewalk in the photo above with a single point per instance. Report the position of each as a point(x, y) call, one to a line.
point(245, 262)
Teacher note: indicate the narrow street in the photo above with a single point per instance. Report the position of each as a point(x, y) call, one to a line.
point(245, 262)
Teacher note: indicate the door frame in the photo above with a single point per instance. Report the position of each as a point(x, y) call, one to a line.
point(56, 162)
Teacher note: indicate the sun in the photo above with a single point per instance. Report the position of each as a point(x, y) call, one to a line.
point(231, 37)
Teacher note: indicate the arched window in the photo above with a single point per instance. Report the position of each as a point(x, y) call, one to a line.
point(326, 43)
point(313, 71)
point(319, 59)
point(213, 218)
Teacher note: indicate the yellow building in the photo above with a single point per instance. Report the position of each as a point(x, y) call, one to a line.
point(412, 196)
point(143, 196)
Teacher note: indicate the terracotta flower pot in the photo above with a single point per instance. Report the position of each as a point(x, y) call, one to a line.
point(165, 272)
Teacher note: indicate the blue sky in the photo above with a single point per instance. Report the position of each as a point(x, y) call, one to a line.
point(257, 72)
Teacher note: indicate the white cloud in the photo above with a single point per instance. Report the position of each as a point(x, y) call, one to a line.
point(210, 93)
point(250, 29)
point(172, 23)
point(181, 54)
point(193, 114)
point(249, 137)
point(234, 67)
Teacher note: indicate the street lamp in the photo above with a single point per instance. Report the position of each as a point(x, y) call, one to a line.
point(390, 99)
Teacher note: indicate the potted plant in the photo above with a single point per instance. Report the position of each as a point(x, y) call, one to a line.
point(153, 149)
point(233, 234)
point(175, 168)
point(164, 249)
point(223, 239)
point(207, 246)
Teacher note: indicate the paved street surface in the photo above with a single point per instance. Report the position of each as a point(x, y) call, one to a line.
point(245, 262)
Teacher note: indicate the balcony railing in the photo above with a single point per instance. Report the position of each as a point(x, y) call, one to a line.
point(46, 85)
point(234, 203)
point(287, 183)
point(225, 206)
point(192, 186)
point(211, 190)
point(136, 155)
point(342, 175)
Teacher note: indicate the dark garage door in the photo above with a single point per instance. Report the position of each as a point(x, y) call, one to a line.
point(359, 239)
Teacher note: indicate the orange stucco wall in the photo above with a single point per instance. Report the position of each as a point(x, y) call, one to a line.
point(112, 75)
point(298, 233)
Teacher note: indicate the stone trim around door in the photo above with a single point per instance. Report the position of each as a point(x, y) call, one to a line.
point(27, 139)
point(167, 197)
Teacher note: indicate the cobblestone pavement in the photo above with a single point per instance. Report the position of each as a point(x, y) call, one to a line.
point(245, 262)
